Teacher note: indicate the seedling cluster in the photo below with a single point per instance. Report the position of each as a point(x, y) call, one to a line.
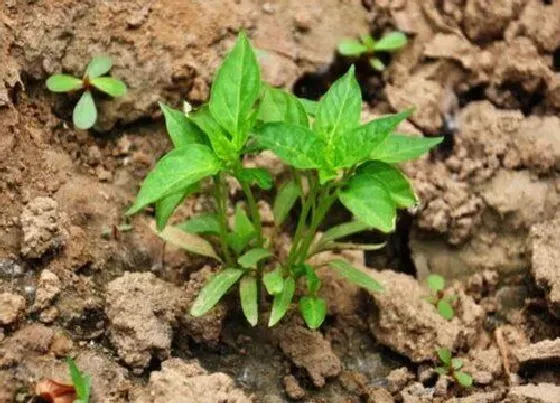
point(84, 115)
point(390, 42)
point(452, 367)
point(331, 157)
point(443, 303)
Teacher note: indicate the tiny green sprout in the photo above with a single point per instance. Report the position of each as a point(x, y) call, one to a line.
point(80, 381)
point(84, 115)
point(443, 303)
point(390, 42)
point(452, 367)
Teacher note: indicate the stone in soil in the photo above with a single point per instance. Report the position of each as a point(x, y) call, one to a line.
point(398, 379)
point(539, 393)
point(40, 222)
point(48, 288)
point(543, 352)
point(12, 307)
point(293, 389)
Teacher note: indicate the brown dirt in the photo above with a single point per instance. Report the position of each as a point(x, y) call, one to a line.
point(483, 73)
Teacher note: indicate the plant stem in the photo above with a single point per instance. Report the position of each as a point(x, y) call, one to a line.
point(222, 217)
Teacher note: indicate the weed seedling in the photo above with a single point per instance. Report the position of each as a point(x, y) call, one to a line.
point(84, 115)
point(452, 367)
point(80, 381)
point(78, 392)
point(443, 303)
point(331, 157)
point(390, 42)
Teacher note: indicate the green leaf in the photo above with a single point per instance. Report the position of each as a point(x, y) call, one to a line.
point(377, 64)
point(98, 66)
point(444, 356)
point(259, 176)
point(214, 290)
point(274, 281)
point(310, 106)
point(235, 90)
point(464, 379)
point(63, 83)
point(313, 310)
point(435, 282)
point(297, 146)
point(343, 230)
point(391, 41)
point(351, 48)
point(367, 40)
point(243, 231)
point(205, 223)
point(167, 205)
point(282, 301)
point(248, 296)
point(175, 171)
point(85, 112)
point(280, 106)
point(184, 240)
point(111, 86)
point(395, 182)
point(371, 203)
point(355, 275)
point(400, 148)
point(180, 129)
point(445, 309)
point(456, 364)
point(219, 140)
point(312, 280)
point(284, 202)
point(340, 108)
point(80, 381)
point(252, 257)
point(357, 145)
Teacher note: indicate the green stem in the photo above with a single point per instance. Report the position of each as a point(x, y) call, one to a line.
point(222, 217)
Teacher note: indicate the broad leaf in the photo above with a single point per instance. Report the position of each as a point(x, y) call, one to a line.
point(351, 48)
point(85, 112)
point(80, 381)
point(219, 139)
point(235, 90)
point(175, 171)
point(297, 146)
point(167, 205)
point(444, 356)
point(399, 148)
point(98, 66)
point(205, 223)
point(313, 310)
point(214, 290)
point(312, 280)
point(252, 257)
point(355, 275)
point(464, 379)
point(180, 129)
point(371, 203)
point(391, 41)
point(111, 86)
point(248, 296)
point(63, 83)
point(282, 301)
point(310, 106)
point(258, 176)
point(395, 182)
point(280, 106)
point(285, 199)
point(274, 281)
point(445, 309)
point(435, 282)
point(184, 240)
point(340, 108)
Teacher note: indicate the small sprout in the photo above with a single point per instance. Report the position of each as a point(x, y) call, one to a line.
point(81, 382)
point(391, 42)
point(452, 367)
point(84, 115)
point(443, 303)
point(57, 392)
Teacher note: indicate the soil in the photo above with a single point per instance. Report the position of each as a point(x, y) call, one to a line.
point(75, 281)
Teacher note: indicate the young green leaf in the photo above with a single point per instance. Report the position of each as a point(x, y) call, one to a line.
point(351, 48)
point(390, 42)
point(313, 281)
point(377, 64)
point(111, 86)
point(235, 90)
point(180, 129)
point(371, 203)
point(85, 112)
point(310, 106)
point(396, 183)
point(184, 240)
point(355, 275)
point(248, 296)
point(98, 66)
point(214, 290)
point(252, 257)
point(282, 301)
point(80, 381)
point(280, 106)
point(435, 282)
point(63, 83)
point(285, 199)
point(445, 309)
point(205, 223)
point(274, 281)
point(399, 148)
point(178, 169)
point(444, 356)
point(259, 176)
point(313, 310)
point(367, 40)
point(219, 139)
point(464, 379)
point(243, 231)
point(167, 205)
point(343, 230)
point(340, 108)
point(456, 364)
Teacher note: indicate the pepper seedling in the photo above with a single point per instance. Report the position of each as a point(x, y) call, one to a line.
point(84, 115)
point(442, 302)
point(452, 367)
point(390, 42)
